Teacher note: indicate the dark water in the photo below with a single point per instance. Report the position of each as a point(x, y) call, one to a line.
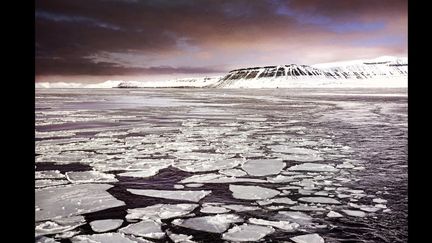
point(366, 126)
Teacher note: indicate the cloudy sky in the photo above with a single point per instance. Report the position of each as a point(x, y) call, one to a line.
point(96, 40)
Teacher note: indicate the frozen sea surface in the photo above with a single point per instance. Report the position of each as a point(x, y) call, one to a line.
point(210, 165)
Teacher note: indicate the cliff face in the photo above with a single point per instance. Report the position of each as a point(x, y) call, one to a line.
point(382, 68)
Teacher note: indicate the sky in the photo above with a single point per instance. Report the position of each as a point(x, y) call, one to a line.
point(89, 41)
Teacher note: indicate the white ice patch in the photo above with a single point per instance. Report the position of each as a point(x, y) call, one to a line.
point(145, 228)
point(58, 226)
point(213, 209)
point(313, 167)
point(180, 238)
point(333, 214)
point(246, 232)
point(105, 225)
point(193, 196)
point(50, 183)
point(309, 238)
point(306, 208)
point(284, 225)
point(215, 224)
point(49, 174)
point(73, 200)
point(240, 208)
point(90, 177)
point(207, 164)
point(252, 192)
point(355, 213)
point(296, 217)
point(44, 239)
point(218, 178)
point(281, 200)
point(161, 211)
point(233, 172)
point(323, 200)
point(263, 167)
point(107, 238)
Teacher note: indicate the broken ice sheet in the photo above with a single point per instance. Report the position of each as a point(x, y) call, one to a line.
point(90, 176)
point(49, 174)
point(58, 226)
point(296, 217)
point(309, 238)
point(209, 208)
point(355, 213)
point(145, 228)
point(323, 200)
point(215, 224)
point(72, 200)
point(193, 196)
point(207, 164)
point(217, 178)
point(284, 225)
point(50, 183)
point(313, 167)
point(161, 211)
point(107, 238)
point(263, 167)
point(180, 238)
point(252, 192)
point(246, 232)
point(233, 172)
point(105, 225)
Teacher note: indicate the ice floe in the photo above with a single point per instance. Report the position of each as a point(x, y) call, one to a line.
point(107, 238)
point(49, 174)
point(240, 208)
point(218, 178)
point(304, 207)
point(72, 200)
point(105, 225)
point(323, 200)
point(145, 228)
point(58, 226)
point(263, 167)
point(215, 224)
point(233, 172)
point(180, 238)
point(333, 214)
point(206, 208)
point(207, 164)
point(281, 200)
point(355, 213)
point(193, 196)
point(161, 211)
point(90, 177)
point(313, 167)
point(252, 192)
point(296, 217)
point(247, 232)
point(284, 225)
point(50, 183)
point(309, 238)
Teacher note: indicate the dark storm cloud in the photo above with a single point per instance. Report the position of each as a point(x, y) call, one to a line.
point(70, 34)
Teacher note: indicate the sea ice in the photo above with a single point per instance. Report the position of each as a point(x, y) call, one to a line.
point(263, 167)
point(107, 238)
point(90, 177)
point(105, 225)
point(193, 196)
point(215, 224)
point(246, 232)
point(145, 228)
point(213, 209)
point(313, 167)
point(324, 200)
point(217, 178)
point(44, 239)
point(58, 226)
point(379, 200)
point(207, 164)
point(355, 213)
point(296, 217)
point(161, 211)
point(49, 174)
point(281, 200)
point(73, 200)
point(309, 238)
point(233, 172)
point(252, 192)
point(285, 225)
point(240, 208)
point(180, 238)
point(333, 214)
point(50, 183)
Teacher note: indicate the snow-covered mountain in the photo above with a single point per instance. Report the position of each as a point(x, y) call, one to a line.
point(384, 71)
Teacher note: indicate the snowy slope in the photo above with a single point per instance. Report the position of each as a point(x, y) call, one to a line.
point(384, 71)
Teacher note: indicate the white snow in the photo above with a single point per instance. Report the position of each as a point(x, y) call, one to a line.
point(107, 238)
point(215, 224)
point(180, 238)
point(333, 214)
point(206, 208)
point(49, 174)
point(105, 225)
point(233, 172)
point(240, 208)
point(218, 178)
point(309, 238)
point(193, 196)
point(252, 192)
point(246, 232)
point(263, 167)
point(161, 211)
point(58, 226)
point(50, 183)
point(73, 200)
